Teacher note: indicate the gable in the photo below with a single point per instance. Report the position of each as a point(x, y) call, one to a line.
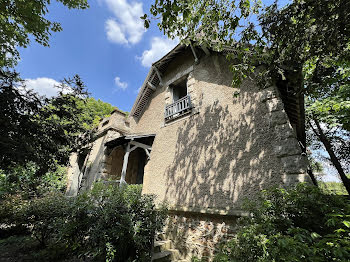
point(154, 79)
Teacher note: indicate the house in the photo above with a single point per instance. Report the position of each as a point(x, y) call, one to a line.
point(199, 144)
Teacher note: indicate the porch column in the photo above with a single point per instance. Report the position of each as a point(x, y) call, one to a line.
point(125, 164)
point(128, 150)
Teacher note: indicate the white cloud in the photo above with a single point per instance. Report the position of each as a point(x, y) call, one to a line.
point(114, 33)
point(43, 85)
point(120, 84)
point(159, 47)
point(127, 26)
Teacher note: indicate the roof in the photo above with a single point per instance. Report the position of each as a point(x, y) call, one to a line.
point(153, 78)
point(145, 138)
point(117, 110)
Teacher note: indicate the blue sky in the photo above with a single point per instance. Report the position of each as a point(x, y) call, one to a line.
point(105, 44)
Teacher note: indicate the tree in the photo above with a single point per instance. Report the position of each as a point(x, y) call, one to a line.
point(332, 113)
point(282, 38)
point(38, 134)
point(308, 36)
point(328, 112)
point(93, 111)
point(35, 128)
point(38, 131)
point(19, 19)
point(44, 130)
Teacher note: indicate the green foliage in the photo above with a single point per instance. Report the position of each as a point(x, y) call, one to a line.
point(21, 19)
point(23, 180)
point(333, 111)
point(314, 164)
point(43, 216)
point(11, 209)
point(336, 188)
point(106, 223)
point(44, 130)
point(37, 129)
point(38, 133)
point(334, 107)
point(93, 111)
point(216, 20)
point(120, 223)
point(298, 224)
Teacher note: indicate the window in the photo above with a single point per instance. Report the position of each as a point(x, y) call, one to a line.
point(181, 100)
point(179, 89)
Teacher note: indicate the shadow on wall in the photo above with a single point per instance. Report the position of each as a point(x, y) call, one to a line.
point(225, 153)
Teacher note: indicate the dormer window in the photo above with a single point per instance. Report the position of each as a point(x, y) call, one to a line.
point(181, 100)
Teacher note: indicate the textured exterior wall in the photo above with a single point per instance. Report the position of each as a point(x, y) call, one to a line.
point(229, 149)
point(94, 163)
point(198, 235)
point(117, 120)
point(98, 163)
point(73, 175)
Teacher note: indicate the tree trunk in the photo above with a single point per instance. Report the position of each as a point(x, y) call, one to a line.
point(312, 176)
point(334, 158)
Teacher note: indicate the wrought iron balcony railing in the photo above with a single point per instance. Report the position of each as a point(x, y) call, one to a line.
point(178, 108)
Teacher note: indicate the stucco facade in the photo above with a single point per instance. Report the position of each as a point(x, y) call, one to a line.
point(229, 145)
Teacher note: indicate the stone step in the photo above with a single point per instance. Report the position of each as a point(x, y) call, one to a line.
point(166, 256)
point(162, 246)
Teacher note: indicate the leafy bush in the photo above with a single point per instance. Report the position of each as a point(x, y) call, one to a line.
point(336, 188)
point(11, 219)
point(43, 215)
point(297, 224)
point(9, 209)
point(106, 223)
point(23, 180)
point(113, 224)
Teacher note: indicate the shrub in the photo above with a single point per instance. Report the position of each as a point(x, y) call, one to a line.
point(113, 224)
point(23, 180)
point(11, 215)
point(44, 216)
point(297, 224)
point(106, 223)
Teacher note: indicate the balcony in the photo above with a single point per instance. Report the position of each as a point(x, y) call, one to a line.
point(178, 108)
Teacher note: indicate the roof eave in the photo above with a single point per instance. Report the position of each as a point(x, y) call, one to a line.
point(150, 73)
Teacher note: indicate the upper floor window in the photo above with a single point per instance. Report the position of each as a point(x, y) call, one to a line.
point(179, 89)
point(181, 100)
